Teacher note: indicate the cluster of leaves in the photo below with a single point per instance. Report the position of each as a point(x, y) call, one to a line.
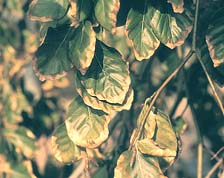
point(72, 39)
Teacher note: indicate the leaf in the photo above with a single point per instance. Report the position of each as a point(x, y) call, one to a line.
point(47, 10)
point(215, 38)
point(177, 5)
point(140, 33)
point(63, 148)
point(106, 12)
point(143, 167)
point(148, 25)
point(180, 125)
point(82, 46)
point(108, 77)
point(86, 127)
point(81, 9)
point(158, 137)
point(22, 138)
point(216, 73)
point(95, 103)
point(52, 60)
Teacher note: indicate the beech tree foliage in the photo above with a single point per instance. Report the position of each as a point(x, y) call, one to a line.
point(107, 48)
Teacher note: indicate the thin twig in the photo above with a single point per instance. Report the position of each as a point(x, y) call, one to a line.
point(217, 97)
point(214, 168)
point(200, 160)
point(156, 95)
point(195, 26)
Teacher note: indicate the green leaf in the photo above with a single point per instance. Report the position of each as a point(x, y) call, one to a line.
point(52, 60)
point(143, 166)
point(81, 9)
point(95, 103)
point(215, 38)
point(177, 5)
point(63, 148)
point(47, 10)
point(180, 125)
point(148, 25)
point(82, 46)
point(86, 127)
point(158, 137)
point(216, 73)
point(108, 76)
point(106, 13)
point(22, 138)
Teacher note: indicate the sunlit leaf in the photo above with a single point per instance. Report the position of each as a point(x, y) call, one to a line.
point(108, 76)
point(47, 10)
point(82, 46)
point(86, 127)
point(22, 138)
point(106, 12)
point(95, 103)
point(63, 148)
point(177, 5)
point(148, 25)
point(81, 9)
point(143, 166)
point(52, 60)
point(215, 39)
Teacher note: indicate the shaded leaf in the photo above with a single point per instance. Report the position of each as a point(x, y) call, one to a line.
point(148, 25)
point(52, 60)
point(143, 167)
point(180, 125)
point(106, 12)
point(101, 173)
point(82, 46)
point(63, 148)
point(216, 73)
point(215, 39)
point(86, 127)
point(108, 76)
point(47, 10)
point(95, 103)
point(22, 138)
point(81, 9)
point(177, 5)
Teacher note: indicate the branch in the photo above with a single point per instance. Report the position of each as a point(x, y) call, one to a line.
point(156, 95)
point(217, 97)
point(213, 169)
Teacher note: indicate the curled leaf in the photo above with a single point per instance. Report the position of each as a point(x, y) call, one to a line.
point(47, 10)
point(108, 77)
point(215, 39)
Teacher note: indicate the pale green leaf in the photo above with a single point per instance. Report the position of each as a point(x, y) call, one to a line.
point(148, 25)
point(143, 166)
point(215, 39)
point(108, 76)
point(82, 46)
point(95, 103)
point(177, 5)
point(101, 173)
point(106, 12)
point(63, 148)
point(52, 60)
point(81, 9)
point(86, 127)
point(47, 10)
